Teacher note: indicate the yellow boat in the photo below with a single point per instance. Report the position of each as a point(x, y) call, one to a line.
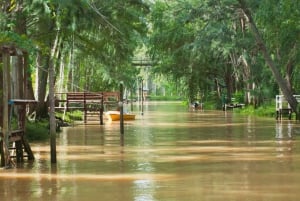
point(115, 116)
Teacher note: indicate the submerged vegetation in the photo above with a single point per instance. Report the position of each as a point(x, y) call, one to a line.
point(38, 130)
point(262, 111)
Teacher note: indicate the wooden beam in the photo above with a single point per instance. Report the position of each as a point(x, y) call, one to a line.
point(5, 98)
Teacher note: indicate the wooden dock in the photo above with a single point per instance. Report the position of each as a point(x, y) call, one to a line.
point(283, 107)
point(91, 103)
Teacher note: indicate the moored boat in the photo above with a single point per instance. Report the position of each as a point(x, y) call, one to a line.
point(115, 116)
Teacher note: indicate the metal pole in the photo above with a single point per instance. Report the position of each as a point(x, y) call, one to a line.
point(121, 110)
point(139, 94)
point(142, 97)
point(131, 100)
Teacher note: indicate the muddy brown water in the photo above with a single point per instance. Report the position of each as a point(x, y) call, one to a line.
point(168, 154)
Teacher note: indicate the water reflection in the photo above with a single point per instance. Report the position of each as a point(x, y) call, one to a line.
point(284, 140)
point(284, 130)
point(167, 154)
point(144, 190)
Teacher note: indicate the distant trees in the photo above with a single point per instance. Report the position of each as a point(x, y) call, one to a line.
point(217, 45)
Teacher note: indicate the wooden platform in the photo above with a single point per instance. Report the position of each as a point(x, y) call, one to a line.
point(231, 106)
point(88, 102)
point(283, 108)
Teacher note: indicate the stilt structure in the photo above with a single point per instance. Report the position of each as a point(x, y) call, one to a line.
point(13, 103)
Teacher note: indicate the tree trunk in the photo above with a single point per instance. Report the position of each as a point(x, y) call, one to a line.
point(246, 80)
point(228, 82)
point(53, 56)
point(288, 75)
point(41, 81)
point(279, 79)
point(29, 87)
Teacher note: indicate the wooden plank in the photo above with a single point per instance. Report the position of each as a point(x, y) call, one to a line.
point(15, 138)
point(83, 96)
point(21, 101)
point(15, 135)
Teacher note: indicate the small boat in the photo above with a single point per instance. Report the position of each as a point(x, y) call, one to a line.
point(115, 116)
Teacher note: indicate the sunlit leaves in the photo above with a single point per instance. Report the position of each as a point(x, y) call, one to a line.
point(206, 37)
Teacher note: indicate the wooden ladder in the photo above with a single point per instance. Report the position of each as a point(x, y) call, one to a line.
point(17, 146)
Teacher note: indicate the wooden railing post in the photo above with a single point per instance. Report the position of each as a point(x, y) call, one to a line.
point(5, 111)
point(84, 106)
point(101, 108)
point(121, 110)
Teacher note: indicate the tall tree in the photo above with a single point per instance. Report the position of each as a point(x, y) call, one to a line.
point(219, 34)
point(286, 90)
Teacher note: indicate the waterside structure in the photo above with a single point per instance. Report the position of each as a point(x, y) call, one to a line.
point(13, 103)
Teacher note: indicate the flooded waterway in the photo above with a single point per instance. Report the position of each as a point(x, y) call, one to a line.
point(168, 154)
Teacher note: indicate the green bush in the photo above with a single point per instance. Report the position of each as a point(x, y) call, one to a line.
point(239, 97)
point(263, 111)
point(70, 116)
point(37, 131)
point(75, 115)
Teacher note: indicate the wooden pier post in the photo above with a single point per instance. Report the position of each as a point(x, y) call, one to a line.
point(121, 110)
point(142, 96)
point(101, 108)
point(5, 108)
point(84, 108)
point(52, 110)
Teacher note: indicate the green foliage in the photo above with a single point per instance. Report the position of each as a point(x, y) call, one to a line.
point(192, 43)
point(239, 97)
point(200, 41)
point(37, 131)
point(267, 110)
point(105, 47)
point(71, 116)
point(16, 40)
point(199, 49)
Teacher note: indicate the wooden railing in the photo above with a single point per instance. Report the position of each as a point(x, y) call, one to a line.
point(87, 101)
point(283, 107)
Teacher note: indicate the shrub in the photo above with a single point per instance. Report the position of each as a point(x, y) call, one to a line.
point(37, 131)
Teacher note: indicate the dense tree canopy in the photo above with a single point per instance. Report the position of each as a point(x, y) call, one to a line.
point(212, 50)
point(90, 43)
point(211, 45)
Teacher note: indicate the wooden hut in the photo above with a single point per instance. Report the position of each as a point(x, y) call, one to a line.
point(13, 102)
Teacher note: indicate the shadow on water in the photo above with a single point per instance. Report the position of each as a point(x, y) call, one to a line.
point(167, 154)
